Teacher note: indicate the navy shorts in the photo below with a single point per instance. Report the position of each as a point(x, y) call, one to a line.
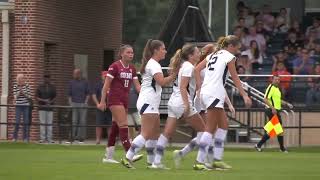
point(103, 118)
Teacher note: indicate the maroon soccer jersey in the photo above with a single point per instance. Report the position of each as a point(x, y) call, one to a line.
point(120, 86)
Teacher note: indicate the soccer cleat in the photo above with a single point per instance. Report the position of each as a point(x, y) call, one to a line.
point(257, 148)
point(208, 165)
point(126, 163)
point(200, 167)
point(177, 158)
point(106, 160)
point(220, 165)
point(284, 150)
point(158, 166)
point(137, 157)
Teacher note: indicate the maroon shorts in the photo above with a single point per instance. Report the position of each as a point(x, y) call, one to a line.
point(118, 101)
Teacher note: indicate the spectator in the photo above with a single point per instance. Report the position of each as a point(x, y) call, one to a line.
point(313, 94)
point(316, 52)
point(310, 39)
point(282, 21)
point(245, 63)
point(240, 6)
point(22, 95)
point(279, 69)
point(314, 27)
point(303, 65)
point(266, 17)
point(46, 94)
point(295, 27)
point(133, 115)
point(102, 117)
point(254, 55)
point(241, 24)
point(261, 41)
point(241, 70)
point(281, 56)
point(248, 19)
point(292, 43)
point(261, 30)
point(78, 99)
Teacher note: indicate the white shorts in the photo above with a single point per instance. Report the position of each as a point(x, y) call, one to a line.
point(133, 119)
point(147, 108)
point(177, 111)
point(198, 104)
point(212, 102)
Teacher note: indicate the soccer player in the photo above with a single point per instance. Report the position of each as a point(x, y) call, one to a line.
point(121, 74)
point(272, 98)
point(213, 96)
point(201, 109)
point(180, 105)
point(149, 101)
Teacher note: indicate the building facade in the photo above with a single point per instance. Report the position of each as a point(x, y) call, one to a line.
point(54, 37)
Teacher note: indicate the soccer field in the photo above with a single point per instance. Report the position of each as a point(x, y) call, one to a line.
point(61, 162)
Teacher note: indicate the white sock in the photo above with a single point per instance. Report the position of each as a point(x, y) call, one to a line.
point(205, 141)
point(198, 137)
point(189, 147)
point(210, 153)
point(161, 145)
point(219, 138)
point(136, 146)
point(150, 148)
point(109, 152)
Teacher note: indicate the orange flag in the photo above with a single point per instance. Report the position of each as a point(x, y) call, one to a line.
point(273, 127)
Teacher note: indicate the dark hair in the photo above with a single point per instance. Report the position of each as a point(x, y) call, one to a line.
point(224, 42)
point(122, 48)
point(256, 52)
point(148, 52)
point(181, 55)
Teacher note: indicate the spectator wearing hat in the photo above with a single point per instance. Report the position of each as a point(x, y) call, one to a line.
point(46, 95)
point(103, 118)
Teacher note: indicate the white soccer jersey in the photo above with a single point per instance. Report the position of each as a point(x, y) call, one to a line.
point(175, 104)
point(186, 70)
point(150, 92)
point(215, 77)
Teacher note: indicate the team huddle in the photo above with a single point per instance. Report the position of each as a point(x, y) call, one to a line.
point(198, 98)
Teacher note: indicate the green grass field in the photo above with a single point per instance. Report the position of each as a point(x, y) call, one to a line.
point(61, 162)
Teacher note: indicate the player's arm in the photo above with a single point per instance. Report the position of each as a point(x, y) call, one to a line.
point(184, 93)
point(230, 106)
point(136, 84)
point(197, 71)
point(237, 82)
point(163, 81)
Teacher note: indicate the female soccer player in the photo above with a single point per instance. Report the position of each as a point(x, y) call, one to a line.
point(179, 154)
point(118, 82)
point(213, 95)
point(149, 101)
point(180, 105)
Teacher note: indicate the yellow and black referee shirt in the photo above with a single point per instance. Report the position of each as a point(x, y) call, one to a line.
point(273, 94)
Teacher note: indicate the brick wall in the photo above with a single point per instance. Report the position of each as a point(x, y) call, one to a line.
point(67, 28)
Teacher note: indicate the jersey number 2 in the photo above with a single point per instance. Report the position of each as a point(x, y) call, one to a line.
point(212, 61)
point(126, 83)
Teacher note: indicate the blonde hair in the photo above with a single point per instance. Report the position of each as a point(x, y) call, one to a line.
point(224, 42)
point(122, 48)
point(206, 50)
point(181, 55)
point(148, 52)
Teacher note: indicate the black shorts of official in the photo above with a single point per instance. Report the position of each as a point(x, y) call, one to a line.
point(103, 117)
point(270, 114)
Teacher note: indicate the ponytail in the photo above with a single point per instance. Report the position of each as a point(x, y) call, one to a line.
point(148, 52)
point(224, 42)
point(175, 61)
